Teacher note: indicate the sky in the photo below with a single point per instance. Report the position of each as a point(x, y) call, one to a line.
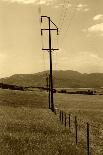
point(80, 39)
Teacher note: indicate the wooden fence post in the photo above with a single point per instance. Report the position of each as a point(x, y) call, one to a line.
point(69, 121)
point(62, 116)
point(55, 111)
point(76, 125)
point(87, 138)
point(65, 120)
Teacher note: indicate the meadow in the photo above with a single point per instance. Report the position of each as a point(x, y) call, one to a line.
point(28, 127)
point(87, 108)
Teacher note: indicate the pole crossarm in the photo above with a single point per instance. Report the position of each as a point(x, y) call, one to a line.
point(48, 30)
point(45, 49)
point(51, 22)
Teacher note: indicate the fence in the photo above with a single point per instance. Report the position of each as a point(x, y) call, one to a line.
point(88, 135)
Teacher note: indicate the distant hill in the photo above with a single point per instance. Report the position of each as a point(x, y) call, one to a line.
point(62, 79)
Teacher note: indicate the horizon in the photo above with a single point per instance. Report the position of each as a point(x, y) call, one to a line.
point(47, 71)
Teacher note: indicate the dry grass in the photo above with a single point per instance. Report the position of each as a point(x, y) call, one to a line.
point(15, 98)
point(87, 108)
point(27, 127)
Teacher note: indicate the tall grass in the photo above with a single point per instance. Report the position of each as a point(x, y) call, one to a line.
point(27, 127)
point(89, 109)
point(15, 98)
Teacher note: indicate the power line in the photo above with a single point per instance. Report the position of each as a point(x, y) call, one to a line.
point(39, 12)
point(42, 42)
point(69, 13)
point(69, 21)
point(62, 12)
point(67, 17)
point(67, 7)
point(65, 14)
point(56, 54)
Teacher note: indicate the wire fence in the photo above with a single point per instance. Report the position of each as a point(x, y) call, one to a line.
point(87, 135)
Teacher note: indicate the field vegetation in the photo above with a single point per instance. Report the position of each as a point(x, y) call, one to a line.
point(87, 108)
point(28, 127)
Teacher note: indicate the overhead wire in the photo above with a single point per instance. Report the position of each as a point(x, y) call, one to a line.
point(42, 42)
point(69, 19)
point(63, 17)
point(56, 53)
point(56, 39)
point(60, 24)
point(62, 12)
point(55, 45)
point(66, 17)
point(39, 11)
point(65, 13)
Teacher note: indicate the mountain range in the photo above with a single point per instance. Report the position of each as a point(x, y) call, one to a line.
point(61, 79)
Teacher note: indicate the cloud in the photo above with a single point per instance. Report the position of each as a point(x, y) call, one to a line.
point(98, 17)
point(55, 3)
point(21, 1)
point(83, 61)
point(82, 7)
point(38, 2)
point(68, 5)
point(96, 28)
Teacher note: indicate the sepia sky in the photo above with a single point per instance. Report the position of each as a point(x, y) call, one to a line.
point(80, 39)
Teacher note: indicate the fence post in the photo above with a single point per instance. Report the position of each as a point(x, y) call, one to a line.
point(69, 121)
point(62, 116)
point(65, 120)
point(87, 138)
point(55, 111)
point(76, 130)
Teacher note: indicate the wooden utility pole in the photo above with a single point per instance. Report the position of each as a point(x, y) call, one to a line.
point(50, 49)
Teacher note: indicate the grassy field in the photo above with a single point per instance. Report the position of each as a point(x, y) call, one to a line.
point(87, 108)
point(91, 106)
point(28, 127)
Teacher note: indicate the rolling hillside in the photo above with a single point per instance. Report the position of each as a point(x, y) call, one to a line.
point(62, 79)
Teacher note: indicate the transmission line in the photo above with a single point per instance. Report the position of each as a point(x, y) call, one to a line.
point(65, 14)
point(62, 13)
point(72, 14)
point(71, 19)
point(42, 41)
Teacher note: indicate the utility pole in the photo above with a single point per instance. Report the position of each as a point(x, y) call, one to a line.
point(50, 49)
